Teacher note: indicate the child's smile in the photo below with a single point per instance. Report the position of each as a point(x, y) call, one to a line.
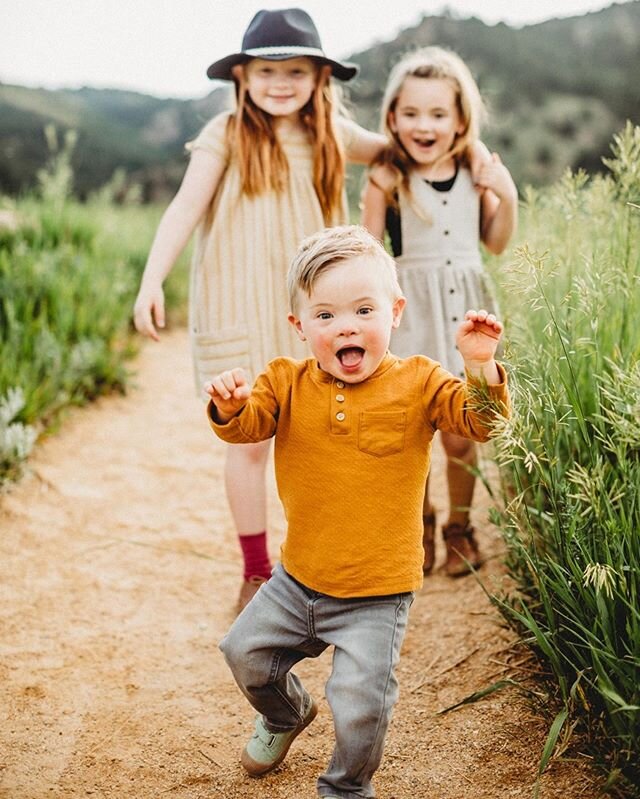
point(426, 121)
point(351, 358)
point(281, 88)
point(348, 318)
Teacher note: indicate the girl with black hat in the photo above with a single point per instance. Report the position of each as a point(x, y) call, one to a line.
point(260, 179)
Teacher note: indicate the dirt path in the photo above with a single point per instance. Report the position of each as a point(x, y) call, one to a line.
point(118, 572)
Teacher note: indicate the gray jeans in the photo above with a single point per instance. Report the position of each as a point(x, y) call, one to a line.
point(286, 622)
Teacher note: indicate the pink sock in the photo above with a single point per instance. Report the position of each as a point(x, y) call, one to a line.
point(256, 557)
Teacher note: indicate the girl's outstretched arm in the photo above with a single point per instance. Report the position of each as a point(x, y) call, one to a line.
point(374, 203)
point(374, 200)
point(362, 145)
point(499, 205)
point(176, 226)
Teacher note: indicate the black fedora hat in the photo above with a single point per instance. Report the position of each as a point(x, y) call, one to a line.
point(277, 36)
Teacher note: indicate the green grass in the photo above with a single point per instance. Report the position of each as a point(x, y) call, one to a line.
point(570, 456)
point(69, 273)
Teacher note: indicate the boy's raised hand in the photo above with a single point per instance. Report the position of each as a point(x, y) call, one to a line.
point(478, 338)
point(229, 392)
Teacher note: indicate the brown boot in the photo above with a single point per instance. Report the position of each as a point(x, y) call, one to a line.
point(248, 590)
point(461, 547)
point(428, 542)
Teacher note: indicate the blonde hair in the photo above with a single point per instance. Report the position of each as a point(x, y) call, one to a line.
point(330, 247)
point(430, 62)
point(262, 162)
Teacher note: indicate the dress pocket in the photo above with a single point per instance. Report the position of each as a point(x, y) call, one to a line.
point(382, 432)
point(226, 349)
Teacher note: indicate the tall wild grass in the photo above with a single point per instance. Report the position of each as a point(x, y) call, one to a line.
point(68, 277)
point(570, 456)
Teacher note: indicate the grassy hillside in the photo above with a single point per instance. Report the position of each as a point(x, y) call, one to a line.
point(558, 91)
point(143, 135)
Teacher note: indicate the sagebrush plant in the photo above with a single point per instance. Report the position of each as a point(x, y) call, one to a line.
point(69, 272)
point(16, 439)
point(570, 455)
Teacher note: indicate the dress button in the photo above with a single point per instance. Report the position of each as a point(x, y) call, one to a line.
point(340, 397)
point(340, 416)
point(340, 384)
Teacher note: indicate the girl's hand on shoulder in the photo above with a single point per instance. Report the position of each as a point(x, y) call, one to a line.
point(494, 175)
point(477, 338)
point(229, 392)
point(479, 157)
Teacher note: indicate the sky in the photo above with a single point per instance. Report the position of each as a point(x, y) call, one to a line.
point(163, 47)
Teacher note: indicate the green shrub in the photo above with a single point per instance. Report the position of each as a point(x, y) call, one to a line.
point(68, 277)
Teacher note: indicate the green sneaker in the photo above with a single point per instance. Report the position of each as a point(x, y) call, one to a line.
point(266, 750)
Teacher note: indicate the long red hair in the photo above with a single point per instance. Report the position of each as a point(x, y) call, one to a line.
point(263, 165)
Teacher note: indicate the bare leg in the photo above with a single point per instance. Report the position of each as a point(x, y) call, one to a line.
point(457, 533)
point(245, 481)
point(429, 531)
point(461, 453)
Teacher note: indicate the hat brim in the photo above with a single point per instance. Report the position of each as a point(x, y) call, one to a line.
point(221, 70)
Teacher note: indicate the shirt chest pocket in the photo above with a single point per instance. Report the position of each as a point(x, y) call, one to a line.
point(382, 432)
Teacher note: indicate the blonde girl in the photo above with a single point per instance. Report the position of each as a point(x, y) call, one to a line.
point(259, 180)
point(422, 194)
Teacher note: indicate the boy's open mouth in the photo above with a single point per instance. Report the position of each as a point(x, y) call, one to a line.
point(350, 356)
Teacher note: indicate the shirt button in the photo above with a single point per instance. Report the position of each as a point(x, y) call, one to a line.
point(448, 262)
point(446, 233)
point(452, 291)
point(340, 384)
point(444, 202)
point(340, 397)
point(454, 318)
point(340, 416)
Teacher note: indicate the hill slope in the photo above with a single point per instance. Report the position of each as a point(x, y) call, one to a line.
point(557, 91)
point(143, 135)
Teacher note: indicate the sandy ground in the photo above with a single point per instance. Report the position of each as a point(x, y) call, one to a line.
point(118, 576)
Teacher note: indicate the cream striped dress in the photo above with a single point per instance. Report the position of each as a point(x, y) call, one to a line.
point(238, 294)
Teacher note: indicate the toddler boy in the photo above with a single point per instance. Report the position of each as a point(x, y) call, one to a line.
point(353, 427)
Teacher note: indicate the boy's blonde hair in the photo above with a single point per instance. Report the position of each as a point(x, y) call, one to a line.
point(262, 162)
point(331, 246)
point(431, 62)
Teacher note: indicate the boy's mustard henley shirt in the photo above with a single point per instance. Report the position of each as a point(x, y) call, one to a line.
point(351, 463)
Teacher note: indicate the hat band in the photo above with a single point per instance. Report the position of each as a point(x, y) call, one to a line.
point(278, 50)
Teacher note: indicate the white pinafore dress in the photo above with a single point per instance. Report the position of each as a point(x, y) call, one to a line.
point(440, 269)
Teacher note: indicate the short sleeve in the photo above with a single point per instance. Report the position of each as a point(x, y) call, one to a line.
point(212, 138)
point(347, 131)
